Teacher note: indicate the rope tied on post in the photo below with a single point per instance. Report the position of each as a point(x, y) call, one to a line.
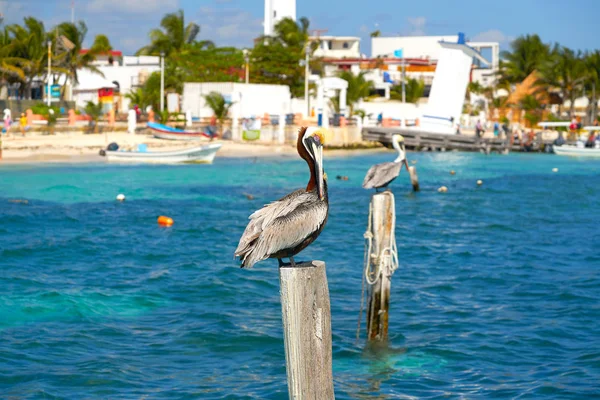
point(375, 265)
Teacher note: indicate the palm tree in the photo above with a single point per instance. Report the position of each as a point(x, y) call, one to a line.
point(532, 107)
point(527, 54)
point(219, 106)
point(9, 65)
point(413, 91)
point(174, 36)
point(74, 59)
point(376, 33)
point(29, 44)
point(102, 45)
point(565, 70)
point(592, 61)
point(95, 111)
point(358, 88)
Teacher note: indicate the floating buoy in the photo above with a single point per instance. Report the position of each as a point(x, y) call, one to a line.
point(121, 197)
point(479, 182)
point(452, 172)
point(342, 177)
point(165, 221)
point(554, 169)
point(249, 196)
point(443, 189)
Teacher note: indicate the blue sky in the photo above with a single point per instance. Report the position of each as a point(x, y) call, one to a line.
point(237, 22)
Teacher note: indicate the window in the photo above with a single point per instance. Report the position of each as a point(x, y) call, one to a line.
point(330, 44)
point(275, 14)
point(345, 45)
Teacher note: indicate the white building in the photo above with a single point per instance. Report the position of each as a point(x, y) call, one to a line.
point(275, 11)
point(337, 46)
point(123, 78)
point(429, 48)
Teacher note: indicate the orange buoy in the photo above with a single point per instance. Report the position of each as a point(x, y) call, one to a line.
point(165, 221)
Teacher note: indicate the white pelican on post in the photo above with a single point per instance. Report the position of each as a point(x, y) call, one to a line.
point(381, 175)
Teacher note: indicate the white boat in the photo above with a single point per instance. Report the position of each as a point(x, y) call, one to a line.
point(575, 151)
point(201, 155)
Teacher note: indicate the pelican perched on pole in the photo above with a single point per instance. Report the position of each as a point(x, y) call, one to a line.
point(285, 227)
point(381, 175)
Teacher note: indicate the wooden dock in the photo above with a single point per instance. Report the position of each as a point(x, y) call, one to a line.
point(425, 141)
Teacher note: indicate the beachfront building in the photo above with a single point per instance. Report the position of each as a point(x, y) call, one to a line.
point(430, 48)
point(275, 11)
point(336, 47)
point(118, 80)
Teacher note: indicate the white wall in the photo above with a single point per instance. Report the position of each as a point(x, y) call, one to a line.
point(413, 46)
point(249, 99)
point(333, 47)
point(275, 11)
point(447, 91)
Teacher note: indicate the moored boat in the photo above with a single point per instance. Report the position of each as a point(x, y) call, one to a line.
point(200, 155)
point(575, 151)
point(166, 132)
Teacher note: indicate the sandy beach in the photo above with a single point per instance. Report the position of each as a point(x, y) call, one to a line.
point(79, 147)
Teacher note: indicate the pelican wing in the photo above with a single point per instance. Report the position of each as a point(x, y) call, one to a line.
point(380, 175)
point(281, 225)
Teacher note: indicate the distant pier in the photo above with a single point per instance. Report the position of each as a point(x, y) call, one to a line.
point(424, 141)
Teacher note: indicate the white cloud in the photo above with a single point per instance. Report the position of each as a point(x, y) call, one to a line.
point(132, 6)
point(417, 26)
point(364, 29)
point(493, 35)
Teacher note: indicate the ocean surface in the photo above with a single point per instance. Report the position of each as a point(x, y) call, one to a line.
point(497, 294)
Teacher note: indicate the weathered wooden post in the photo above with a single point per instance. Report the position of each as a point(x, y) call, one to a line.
point(307, 331)
point(382, 261)
point(414, 179)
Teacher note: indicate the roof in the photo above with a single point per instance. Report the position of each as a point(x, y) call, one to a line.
point(114, 53)
point(384, 60)
point(93, 82)
point(334, 38)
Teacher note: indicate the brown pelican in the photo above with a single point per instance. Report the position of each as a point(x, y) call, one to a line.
point(381, 175)
point(285, 227)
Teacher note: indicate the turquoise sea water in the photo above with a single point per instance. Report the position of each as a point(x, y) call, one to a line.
point(498, 294)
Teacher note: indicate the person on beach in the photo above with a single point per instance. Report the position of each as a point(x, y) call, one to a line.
point(479, 129)
point(23, 123)
point(7, 121)
point(591, 140)
point(496, 129)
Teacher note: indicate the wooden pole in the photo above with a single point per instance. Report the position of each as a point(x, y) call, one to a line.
point(379, 294)
point(414, 179)
point(307, 331)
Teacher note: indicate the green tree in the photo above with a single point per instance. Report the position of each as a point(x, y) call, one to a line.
point(532, 107)
point(95, 111)
point(219, 107)
point(277, 59)
point(565, 70)
point(73, 59)
point(102, 45)
point(224, 64)
point(592, 84)
point(29, 44)
point(174, 36)
point(358, 88)
point(376, 33)
point(414, 90)
point(527, 54)
point(9, 65)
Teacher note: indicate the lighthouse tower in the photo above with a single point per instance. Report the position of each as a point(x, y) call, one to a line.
point(275, 11)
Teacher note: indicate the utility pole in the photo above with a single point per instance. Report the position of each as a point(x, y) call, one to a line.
point(49, 95)
point(306, 73)
point(403, 79)
point(162, 81)
point(247, 62)
point(316, 33)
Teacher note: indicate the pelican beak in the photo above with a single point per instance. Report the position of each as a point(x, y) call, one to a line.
point(317, 149)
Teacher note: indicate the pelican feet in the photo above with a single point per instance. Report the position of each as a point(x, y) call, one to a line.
point(292, 263)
